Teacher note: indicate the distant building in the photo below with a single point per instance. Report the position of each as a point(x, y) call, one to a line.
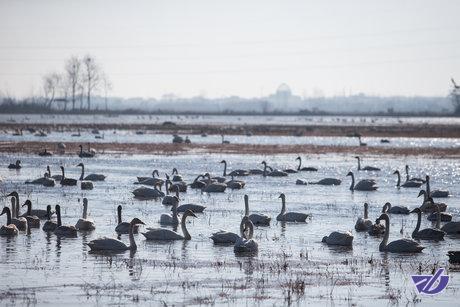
point(284, 100)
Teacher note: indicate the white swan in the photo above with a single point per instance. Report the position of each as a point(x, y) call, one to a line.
point(19, 222)
point(8, 229)
point(435, 193)
point(214, 187)
point(90, 177)
point(305, 169)
point(49, 224)
point(84, 223)
point(451, 228)
point(32, 220)
point(363, 185)
point(171, 219)
point(273, 173)
point(246, 244)
point(341, 238)
point(64, 230)
point(155, 172)
point(412, 179)
point(123, 227)
point(407, 184)
point(428, 205)
point(256, 219)
point(290, 216)
point(366, 168)
point(111, 244)
point(237, 172)
point(145, 193)
point(364, 223)
point(235, 184)
point(427, 233)
point(67, 181)
point(395, 209)
point(398, 246)
point(168, 200)
point(163, 234)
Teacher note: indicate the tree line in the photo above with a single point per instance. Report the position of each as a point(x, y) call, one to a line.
point(76, 84)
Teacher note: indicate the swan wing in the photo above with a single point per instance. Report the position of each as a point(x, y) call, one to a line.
point(404, 246)
point(161, 234)
point(224, 237)
point(106, 243)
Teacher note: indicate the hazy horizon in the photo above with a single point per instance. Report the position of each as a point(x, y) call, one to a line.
point(215, 49)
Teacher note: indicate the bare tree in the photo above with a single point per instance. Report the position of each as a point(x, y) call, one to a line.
point(73, 76)
point(92, 77)
point(107, 87)
point(51, 86)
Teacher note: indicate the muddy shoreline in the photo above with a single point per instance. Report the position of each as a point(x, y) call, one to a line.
point(420, 131)
point(172, 149)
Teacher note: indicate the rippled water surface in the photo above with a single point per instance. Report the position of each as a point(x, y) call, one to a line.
point(292, 265)
point(228, 119)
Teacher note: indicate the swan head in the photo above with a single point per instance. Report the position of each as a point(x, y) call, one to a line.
point(388, 205)
point(264, 163)
point(167, 177)
point(85, 201)
point(80, 164)
point(427, 178)
point(136, 221)
point(58, 209)
point(366, 205)
point(356, 157)
point(80, 146)
point(383, 216)
point(27, 203)
point(298, 158)
point(14, 194)
point(174, 171)
point(223, 161)
point(246, 198)
point(189, 213)
point(422, 192)
point(350, 174)
point(282, 196)
point(395, 172)
point(119, 208)
point(18, 162)
point(61, 167)
point(416, 210)
point(407, 167)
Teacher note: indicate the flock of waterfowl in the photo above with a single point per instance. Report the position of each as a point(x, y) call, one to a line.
point(242, 240)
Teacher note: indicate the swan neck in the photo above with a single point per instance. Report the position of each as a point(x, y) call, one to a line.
point(82, 172)
point(8, 217)
point(246, 207)
point(419, 221)
point(399, 180)
point(438, 218)
point(283, 205)
point(225, 168)
point(366, 212)
point(251, 230)
point(352, 186)
point(300, 164)
point(174, 210)
point(407, 174)
point(119, 215)
point(384, 242)
point(428, 190)
point(58, 213)
point(63, 174)
point(29, 208)
point(17, 205)
point(85, 211)
point(13, 207)
point(359, 161)
point(184, 227)
point(132, 242)
point(265, 169)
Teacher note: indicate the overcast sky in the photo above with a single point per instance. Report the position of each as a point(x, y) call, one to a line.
point(245, 48)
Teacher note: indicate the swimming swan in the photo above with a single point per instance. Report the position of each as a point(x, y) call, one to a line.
point(404, 245)
point(123, 227)
point(64, 230)
point(341, 238)
point(111, 244)
point(363, 185)
point(90, 177)
point(84, 223)
point(364, 223)
point(256, 219)
point(427, 233)
point(290, 216)
point(366, 168)
point(245, 243)
point(8, 229)
point(163, 234)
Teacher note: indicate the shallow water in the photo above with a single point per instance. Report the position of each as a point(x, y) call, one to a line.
point(39, 268)
point(229, 119)
point(129, 136)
